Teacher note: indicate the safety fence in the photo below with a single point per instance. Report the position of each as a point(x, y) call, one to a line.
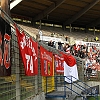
point(83, 75)
point(18, 86)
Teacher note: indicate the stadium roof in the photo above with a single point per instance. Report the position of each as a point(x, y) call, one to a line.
point(80, 13)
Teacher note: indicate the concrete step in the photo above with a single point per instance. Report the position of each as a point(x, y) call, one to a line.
point(68, 93)
point(72, 97)
point(79, 98)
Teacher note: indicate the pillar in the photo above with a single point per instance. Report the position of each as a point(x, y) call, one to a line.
point(70, 28)
point(94, 31)
point(64, 27)
point(5, 5)
point(86, 30)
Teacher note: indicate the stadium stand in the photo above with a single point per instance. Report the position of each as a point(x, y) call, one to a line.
point(18, 86)
point(47, 31)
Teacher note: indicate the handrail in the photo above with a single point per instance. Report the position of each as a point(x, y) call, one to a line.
point(95, 94)
point(78, 86)
point(64, 87)
point(77, 93)
point(74, 82)
point(79, 81)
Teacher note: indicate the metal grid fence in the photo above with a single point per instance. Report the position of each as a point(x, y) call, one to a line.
point(26, 86)
point(18, 86)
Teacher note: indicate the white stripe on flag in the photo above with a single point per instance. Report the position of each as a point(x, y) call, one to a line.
point(70, 71)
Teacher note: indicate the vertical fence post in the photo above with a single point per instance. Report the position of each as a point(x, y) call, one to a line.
point(71, 84)
point(36, 85)
point(5, 5)
point(46, 85)
point(17, 83)
point(70, 28)
point(83, 71)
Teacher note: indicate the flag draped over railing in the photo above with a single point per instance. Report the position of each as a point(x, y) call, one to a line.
point(28, 50)
point(70, 68)
point(46, 58)
point(59, 64)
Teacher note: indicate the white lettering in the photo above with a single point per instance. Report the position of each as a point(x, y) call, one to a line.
point(46, 56)
point(29, 62)
point(27, 58)
point(31, 65)
point(23, 42)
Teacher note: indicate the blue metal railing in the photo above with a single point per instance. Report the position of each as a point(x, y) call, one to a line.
point(82, 87)
point(86, 90)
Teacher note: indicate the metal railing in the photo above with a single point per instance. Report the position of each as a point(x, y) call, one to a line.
point(82, 87)
point(77, 87)
point(18, 86)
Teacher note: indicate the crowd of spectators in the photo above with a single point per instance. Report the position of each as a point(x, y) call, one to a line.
point(91, 56)
point(76, 50)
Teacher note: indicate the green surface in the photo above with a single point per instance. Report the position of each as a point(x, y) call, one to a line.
point(93, 98)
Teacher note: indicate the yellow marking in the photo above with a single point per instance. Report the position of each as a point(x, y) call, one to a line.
point(23, 83)
point(50, 82)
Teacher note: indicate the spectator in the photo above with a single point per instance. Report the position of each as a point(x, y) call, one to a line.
point(50, 43)
point(88, 71)
point(74, 50)
point(78, 50)
point(67, 48)
point(60, 47)
point(64, 48)
point(66, 38)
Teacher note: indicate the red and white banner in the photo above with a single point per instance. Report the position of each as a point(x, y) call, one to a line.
point(70, 68)
point(28, 49)
point(59, 64)
point(46, 59)
point(5, 57)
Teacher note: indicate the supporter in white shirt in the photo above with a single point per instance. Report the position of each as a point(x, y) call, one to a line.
point(87, 62)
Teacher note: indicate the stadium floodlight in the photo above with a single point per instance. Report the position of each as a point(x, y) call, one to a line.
point(14, 3)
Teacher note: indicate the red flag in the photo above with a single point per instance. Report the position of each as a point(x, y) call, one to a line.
point(70, 68)
point(46, 62)
point(28, 50)
point(59, 64)
point(69, 59)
